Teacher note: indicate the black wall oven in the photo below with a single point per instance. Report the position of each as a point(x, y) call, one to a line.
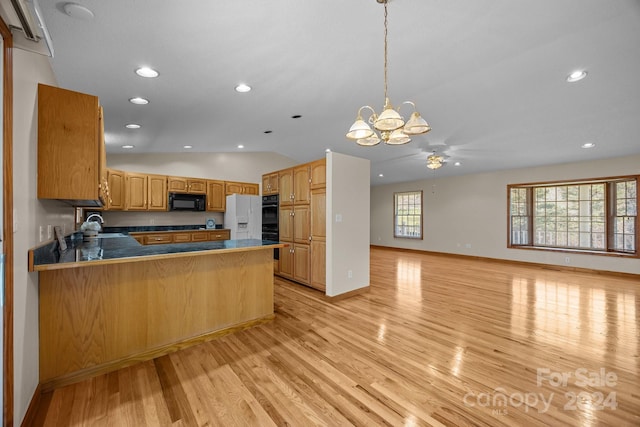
point(270, 221)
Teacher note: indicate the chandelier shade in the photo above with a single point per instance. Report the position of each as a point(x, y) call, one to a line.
point(360, 130)
point(390, 124)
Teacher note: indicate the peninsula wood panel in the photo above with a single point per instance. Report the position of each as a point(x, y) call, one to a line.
point(93, 316)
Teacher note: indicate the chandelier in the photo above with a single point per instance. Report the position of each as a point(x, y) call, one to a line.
point(389, 123)
point(434, 161)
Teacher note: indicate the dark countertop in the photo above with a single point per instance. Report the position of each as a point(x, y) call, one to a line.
point(121, 249)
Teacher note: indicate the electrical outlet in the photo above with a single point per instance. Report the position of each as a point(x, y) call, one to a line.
point(567, 260)
point(467, 245)
point(152, 221)
point(41, 237)
point(350, 274)
point(49, 231)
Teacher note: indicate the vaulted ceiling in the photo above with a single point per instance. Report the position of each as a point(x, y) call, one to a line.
point(488, 75)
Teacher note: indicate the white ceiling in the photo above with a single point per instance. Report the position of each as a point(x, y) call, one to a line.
point(488, 76)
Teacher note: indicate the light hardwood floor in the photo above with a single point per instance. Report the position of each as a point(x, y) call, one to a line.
point(438, 340)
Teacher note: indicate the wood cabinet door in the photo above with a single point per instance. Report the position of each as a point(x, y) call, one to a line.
point(250, 189)
point(158, 239)
point(319, 174)
point(285, 263)
point(102, 151)
point(68, 157)
point(197, 186)
point(301, 184)
point(301, 263)
point(232, 188)
point(318, 213)
point(116, 190)
point(270, 183)
point(216, 197)
point(158, 195)
point(199, 236)
point(177, 184)
point(220, 235)
point(301, 224)
point(181, 237)
point(285, 187)
point(318, 259)
point(285, 219)
point(136, 191)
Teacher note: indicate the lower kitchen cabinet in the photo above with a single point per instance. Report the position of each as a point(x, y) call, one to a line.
point(157, 239)
point(294, 263)
point(301, 263)
point(163, 237)
point(220, 235)
point(285, 263)
point(318, 265)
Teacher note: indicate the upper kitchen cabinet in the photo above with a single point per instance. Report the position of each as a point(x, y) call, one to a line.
point(145, 192)
point(285, 187)
point(301, 183)
point(241, 188)
point(71, 153)
point(187, 185)
point(318, 172)
point(270, 183)
point(216, 196)
point(116, 197)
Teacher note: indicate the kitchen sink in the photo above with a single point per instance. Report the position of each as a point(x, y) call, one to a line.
point(110, 235)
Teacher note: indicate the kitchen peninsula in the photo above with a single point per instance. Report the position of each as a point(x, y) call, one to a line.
point(110, 302)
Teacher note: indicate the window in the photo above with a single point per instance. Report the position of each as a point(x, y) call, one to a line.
point(408, 215)
point(596, 216)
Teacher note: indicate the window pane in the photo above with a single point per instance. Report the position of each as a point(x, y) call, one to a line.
point(408, 214)
point(576, 216)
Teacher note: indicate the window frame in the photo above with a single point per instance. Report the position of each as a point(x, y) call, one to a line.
point(609, 216)
point(395, 214)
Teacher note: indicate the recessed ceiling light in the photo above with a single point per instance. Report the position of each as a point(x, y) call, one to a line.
point(128, 146)
point(588, 145)
point(457, 164)
point(242, 88)
point(187, 146)
point(328, 150)
point(132, 126)
point(381, 175)
point(138, 101)
point(576, 76)
point(146, 72)
point(77, 11)
point(240, 146)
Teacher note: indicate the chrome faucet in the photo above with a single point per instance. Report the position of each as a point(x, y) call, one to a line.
point(96, 215)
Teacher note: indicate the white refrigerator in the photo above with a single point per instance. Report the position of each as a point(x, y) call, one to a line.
point(243, 216)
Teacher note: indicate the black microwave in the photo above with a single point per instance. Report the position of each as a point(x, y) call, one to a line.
point(187, 202)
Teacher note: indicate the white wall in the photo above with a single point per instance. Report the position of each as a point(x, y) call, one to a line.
point(348, 203)
point(29, 69)
point(471, 211)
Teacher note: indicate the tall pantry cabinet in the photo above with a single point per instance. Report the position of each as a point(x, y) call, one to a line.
point(301, 223)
